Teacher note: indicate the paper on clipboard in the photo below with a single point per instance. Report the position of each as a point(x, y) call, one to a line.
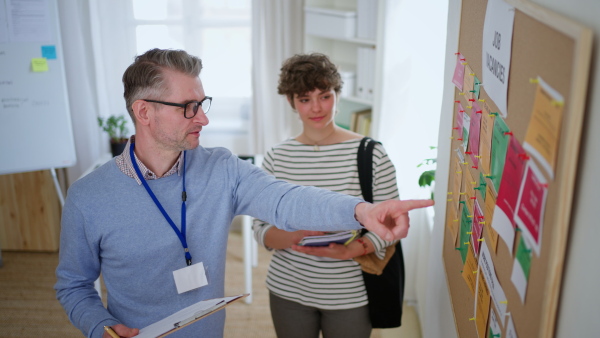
point(186, 316)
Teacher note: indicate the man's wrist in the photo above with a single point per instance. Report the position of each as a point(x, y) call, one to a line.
point(357, 210)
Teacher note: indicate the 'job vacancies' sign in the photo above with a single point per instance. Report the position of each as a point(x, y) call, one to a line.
point(496, 51)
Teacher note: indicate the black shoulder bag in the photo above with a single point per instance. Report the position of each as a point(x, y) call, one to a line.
point(386, 291)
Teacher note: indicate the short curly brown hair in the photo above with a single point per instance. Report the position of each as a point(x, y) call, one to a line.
point(303, 73)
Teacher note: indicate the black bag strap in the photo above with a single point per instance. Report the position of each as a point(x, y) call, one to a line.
point(364, 160)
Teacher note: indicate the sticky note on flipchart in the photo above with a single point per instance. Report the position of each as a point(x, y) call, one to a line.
point(49, 52)
point(39, 65)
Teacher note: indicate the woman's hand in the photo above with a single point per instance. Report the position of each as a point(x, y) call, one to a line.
point(281, 239)
point(338, 251)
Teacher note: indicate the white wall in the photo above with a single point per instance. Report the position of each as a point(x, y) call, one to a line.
point(579, 307)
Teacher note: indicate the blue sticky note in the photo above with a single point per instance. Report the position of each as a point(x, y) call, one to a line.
point(49, 52)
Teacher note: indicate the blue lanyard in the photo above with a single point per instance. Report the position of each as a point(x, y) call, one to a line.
point(180, 234)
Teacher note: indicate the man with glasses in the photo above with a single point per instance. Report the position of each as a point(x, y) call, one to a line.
point(155, 220)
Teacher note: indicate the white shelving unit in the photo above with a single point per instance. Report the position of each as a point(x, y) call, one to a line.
point(337, 28)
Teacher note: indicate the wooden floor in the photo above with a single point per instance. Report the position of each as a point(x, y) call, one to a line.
point(28, 305)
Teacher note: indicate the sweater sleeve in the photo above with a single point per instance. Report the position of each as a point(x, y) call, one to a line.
point(78, 268)
point(259, 227)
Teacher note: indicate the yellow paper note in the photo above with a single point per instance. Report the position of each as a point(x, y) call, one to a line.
point(482, 305)
point(452, 222)
point(542, 135)
point(485, 138)
point(490, 203)
point(39, 65)
point(469, 272)
point(469, 83)
point(456, 183)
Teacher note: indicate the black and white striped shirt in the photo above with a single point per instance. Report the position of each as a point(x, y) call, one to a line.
point(323, 282)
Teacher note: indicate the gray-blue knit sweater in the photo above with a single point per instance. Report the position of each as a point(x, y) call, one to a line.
point(110, 225)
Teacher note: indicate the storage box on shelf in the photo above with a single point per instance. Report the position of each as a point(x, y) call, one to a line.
point(346, 31)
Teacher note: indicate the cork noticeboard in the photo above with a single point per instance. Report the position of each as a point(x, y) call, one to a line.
point(545, 45)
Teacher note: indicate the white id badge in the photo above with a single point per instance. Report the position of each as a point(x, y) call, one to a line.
point(190, 278)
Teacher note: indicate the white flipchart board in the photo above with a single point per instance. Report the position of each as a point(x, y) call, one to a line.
point(35, 121)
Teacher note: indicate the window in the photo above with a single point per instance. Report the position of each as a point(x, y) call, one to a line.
point(219, 32)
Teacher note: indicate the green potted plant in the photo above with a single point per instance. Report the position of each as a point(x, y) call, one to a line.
point(116, 127)
point(428, 176)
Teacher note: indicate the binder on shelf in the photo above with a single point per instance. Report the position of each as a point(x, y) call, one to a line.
point(366, 19)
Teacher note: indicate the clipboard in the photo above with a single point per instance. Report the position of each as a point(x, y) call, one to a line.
point(187, 316)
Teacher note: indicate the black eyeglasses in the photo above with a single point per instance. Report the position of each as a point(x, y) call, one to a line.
point(193, 106)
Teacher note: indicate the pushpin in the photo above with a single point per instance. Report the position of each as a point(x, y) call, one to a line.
point(465, 163)
point(468, 152)
point(450, 200)
point(494, 114)
point(481, 100)
point(557, 103)
point(481, 239)
point(459, 139)
point(459, 172)
point(469, 232)
point(473, 198)
point(478, 112)
point(472, 318)
point(461, 93)
point(471, 100)
point(504, 302)
point(469, 107)
point(466, 243)
point(508, 133)
point(472, 91)
point(532, 80)
point(457, 101)
point(474, 272)
point(463, 59)
point(450, 193)
point(477, 156)
point(475, 167)
point(472, 74)
point(465, 63)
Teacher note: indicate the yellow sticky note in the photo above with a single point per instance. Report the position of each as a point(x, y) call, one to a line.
point(470, 266)
point(482, 305)
point(39, 65)
point(543, 133)
point(490, 204)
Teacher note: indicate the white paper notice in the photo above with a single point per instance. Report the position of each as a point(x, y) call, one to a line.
point(190, 278)
point(494, 325)
point(519, 280)
point(28, 20)
point(503, 226)
point(496, 51)
point(487, 267)
point(3, 24)
point(511, 332)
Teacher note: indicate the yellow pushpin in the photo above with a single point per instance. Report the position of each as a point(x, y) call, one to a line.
point(450, 200)
point(481, 240)
point(472, 318)
point(472, 74)
point(504, 302)
point(532, 80)
point(466, 243)
point(461, 93)
point(450, 193)
point(469, 232)
point(465, 63)
point(557, 103)
point(481, 100)
point(474, 272)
